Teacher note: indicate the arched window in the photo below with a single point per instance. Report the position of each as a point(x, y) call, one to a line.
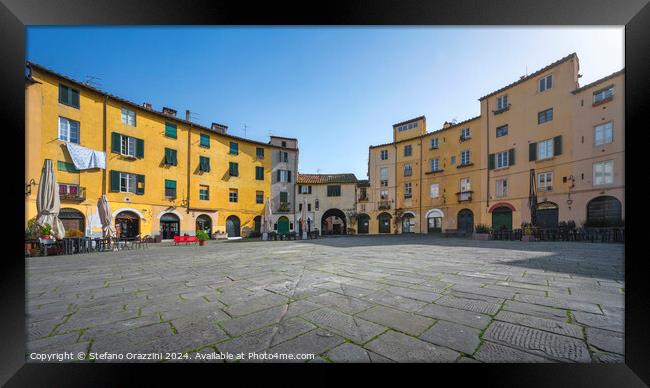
point(604, 211)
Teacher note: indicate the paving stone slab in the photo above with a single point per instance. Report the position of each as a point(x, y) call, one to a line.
point(351, 327)
point(537, 341)
point(475, 305)
point(495, 353)
point(605, 340)
point(608, 358)
point(536, 310)
point(554, 326)
point(467, 318)
point(346, 304)
point(408, 323)
point(391, 300)
point(421, 295)
point(314, 342)
point(454, 336)
point(560, 303)
point(352, 353)
point(263, 339)
point(606, 322)
point(403, 348)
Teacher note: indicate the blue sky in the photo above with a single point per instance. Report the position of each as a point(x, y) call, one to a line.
point(337, 89)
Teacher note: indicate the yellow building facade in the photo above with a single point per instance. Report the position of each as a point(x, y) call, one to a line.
point(164, 175)
point(543, 135)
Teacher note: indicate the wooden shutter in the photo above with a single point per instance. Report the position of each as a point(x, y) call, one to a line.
point(139, 148)
point(491, 162)
point(115, 181)
point(289, 176)
point(139, 184)
point(532, 152)
point(557, 145)
point(74, 98)
point(173, 155)
point(511, 157)
point(308, 189)
point(116, 140)
point(279, 171)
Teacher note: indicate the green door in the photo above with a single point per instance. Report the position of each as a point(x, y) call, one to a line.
point(283, 225)
point(502, 218)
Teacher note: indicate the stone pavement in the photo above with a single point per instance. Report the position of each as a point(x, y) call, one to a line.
point(345, 299)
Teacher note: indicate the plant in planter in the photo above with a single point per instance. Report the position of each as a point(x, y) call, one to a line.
point(527, 232)
point(481, 232)
point(45, 231)
point(202, 237)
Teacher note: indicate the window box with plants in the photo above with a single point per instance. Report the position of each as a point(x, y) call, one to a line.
point(481, 232)
point(202, 237)
point(527, 232)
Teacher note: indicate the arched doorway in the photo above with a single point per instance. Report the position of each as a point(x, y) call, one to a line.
point(170, 226)
point(465, 221)
point(204, 223)
point(364, 223)
point(283, 225)
point(257, 222)
point(127, 224)
point(407, 219)
point(502, 218)
point(333, 222)
point(434, 221)
point(72, 219)
point(384, 222)
point(604, 211)
point(547, 214)
point(233, 226)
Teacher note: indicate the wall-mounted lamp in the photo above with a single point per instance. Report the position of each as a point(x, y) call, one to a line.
point(28, 187)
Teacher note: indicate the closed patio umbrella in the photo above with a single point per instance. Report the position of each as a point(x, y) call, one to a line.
point(303, 219)
point(266, 225)
point(104, 210)
point(48, 202)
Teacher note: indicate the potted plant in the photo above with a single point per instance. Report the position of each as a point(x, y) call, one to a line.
point(202, 237)
point(481, 232)
point(527, 232)
point(45, 231)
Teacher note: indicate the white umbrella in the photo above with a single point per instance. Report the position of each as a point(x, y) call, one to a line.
point(104, 210)
point(303, 219)
point(48, 202)
point(266, 225)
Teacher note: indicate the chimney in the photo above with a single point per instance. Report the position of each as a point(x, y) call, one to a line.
point(169, 111)
point(219, 128)
point(187, 115)
point(147, 105)
point(446, 124)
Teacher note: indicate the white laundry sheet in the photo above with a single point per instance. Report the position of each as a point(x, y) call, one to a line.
point(86, 158)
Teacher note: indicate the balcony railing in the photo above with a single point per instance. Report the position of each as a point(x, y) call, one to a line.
point(283, 208)
point(384, 205)
point(464, 196)
point(79, 195)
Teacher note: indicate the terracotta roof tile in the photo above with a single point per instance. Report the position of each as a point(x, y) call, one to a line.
point(326, 178)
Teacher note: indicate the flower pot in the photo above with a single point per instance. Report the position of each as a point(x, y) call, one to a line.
point(202, 242)
point(481, 236)
point(45, 236)
point(28, 246)
point(34, 252)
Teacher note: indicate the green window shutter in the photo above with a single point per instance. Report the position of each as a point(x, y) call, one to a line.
point(289, 176)
point(170, 184)
point(115, 181)
point(278, 175)
point(511, 157)
point(65, 166)
point(174, 159)
point(139, 184)
point(491, 162)
point(532, 152)
point(170, 130)
point(557, 145)
point(63, 94)
point(205, 140)
point(204, 163)
point(116, 140)
point(74, 100)
point(168, 157)
point(139, 148)
point(284, 196)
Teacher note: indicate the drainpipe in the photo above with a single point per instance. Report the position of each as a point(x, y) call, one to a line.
point(421, 170)
point(105, 149)
point(189, 159)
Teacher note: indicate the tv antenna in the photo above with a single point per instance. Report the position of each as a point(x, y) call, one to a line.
point(91, 80)
point(245, 127)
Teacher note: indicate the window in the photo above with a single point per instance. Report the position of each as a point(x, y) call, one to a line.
point(435, 164)
point(502, 187)
point(68, 190)
point(408, 150)
point(204, 192)
point(309, 207)
point(170, 157)
point(604, 173)
point(545, 149)
point(128, 146)
point(205, 140)
point(300, 207)
point(383, 176)
point(316, 204)
point(259, 173)
point(465, 134)
point(465, 190)
point(435, 190)
point(233, 195)
point(603, 95)
point(453, 159)
point(284, 176)
point(408, 169)
point(545, 181)
point(233, 169)
point(127, 183)
point(434, 143)
point(284, 144)
point(284, 197)
point(406, 127)
point(204, 164)
point(502, 130)
point(303, 189)
point(545, 116)
point(383, 195)
point(383, 154)
point(545, 83)
point(363, 194)
point(128, 117)
point(604, 133)
point(284, 156)
point(502, 159)
point(68, 130)
point(259, 153)
point(502, 102)
point(407, 190)
point(65, 166)
point(170, 188)
point(464, 157)
point(333, 190)
point(68, 96)
point(259, 197)
point(234, 148)
point(170, 130)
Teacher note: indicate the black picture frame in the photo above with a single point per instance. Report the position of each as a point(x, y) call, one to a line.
point(15, 15)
